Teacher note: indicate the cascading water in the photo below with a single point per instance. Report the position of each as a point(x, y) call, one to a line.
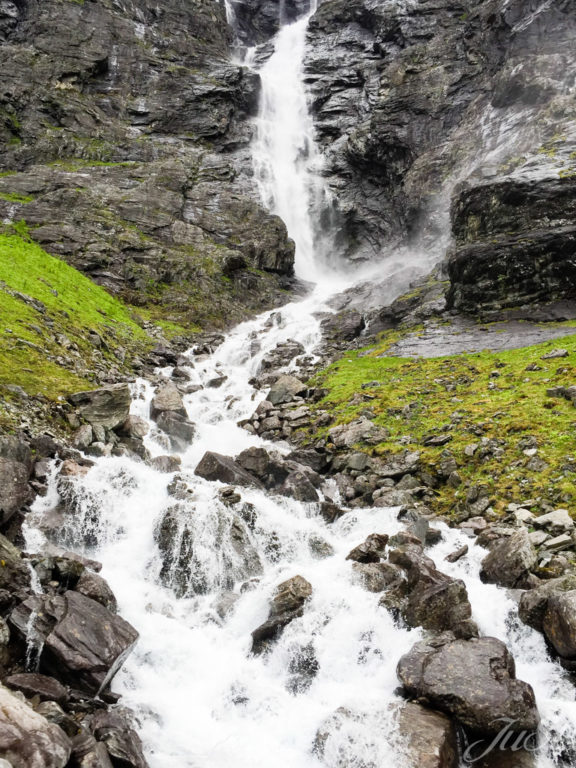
point(195, 575)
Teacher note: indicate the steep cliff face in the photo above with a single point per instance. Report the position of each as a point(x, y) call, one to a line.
point(122, 129)
point(412, 97)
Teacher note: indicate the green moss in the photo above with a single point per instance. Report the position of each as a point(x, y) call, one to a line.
point(15, 197)
point(47, 310)
point(467, 397)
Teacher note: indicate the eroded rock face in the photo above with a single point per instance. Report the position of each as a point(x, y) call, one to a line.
point(472, 680)
point(214, 466)
point(256, 21)
point(28, 739)
point(80, 641)
point(286, 605)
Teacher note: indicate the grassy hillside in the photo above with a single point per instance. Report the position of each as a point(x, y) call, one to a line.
point(526, 440)
point(57, 328)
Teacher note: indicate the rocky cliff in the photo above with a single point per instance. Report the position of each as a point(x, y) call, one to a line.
point(122, 126)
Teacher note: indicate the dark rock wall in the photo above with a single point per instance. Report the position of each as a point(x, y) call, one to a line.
point(411, 97)
point(127, 126)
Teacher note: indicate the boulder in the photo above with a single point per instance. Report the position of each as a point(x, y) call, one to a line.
point(96, 588)
point(33, 684)
point(216, 467)
point(331, 512)
point(297, 485)
point(134, 426)
point(28, 740)
point(115, 730)
point(344, 326)
point(472, 680)
point(81, 643)
point(87, 753)
point(377, 577)
point(178, 428)
point(15, 471)
point(286, 605)
point(285, 389)
point(429, 736)
point(510, 561)
point(14, 574)
point(371, 550)
point(167, 399)
point(361, 430)
point(107, 407)
point(430, 598)
point(559, 623)
point(534, 602)
point(556, 522)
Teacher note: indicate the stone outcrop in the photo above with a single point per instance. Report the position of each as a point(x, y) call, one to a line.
point(472, 680)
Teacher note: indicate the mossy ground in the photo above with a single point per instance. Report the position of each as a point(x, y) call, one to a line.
point(49, 313)
point(469, 397)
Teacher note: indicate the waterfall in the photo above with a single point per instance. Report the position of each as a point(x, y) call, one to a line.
point(169, 549)
point(287, 162)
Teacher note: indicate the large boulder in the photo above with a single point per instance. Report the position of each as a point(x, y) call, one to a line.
point(216, 467)
point(286, 605)
point(285, 389)
point(472, 680)
point(429, 737)
point(28, 740)
point(167, 400)
point(534, 602)
point(107, 407)
point(510, 561)
point(560, 623)
point(361, 430)
point(15, 470)
point(180, 431)
point(79, 641)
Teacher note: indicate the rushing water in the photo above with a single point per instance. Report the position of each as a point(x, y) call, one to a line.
point(200, 696)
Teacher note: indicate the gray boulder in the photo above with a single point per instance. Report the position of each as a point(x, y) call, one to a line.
point(510, 561)
point(28, 740)
point(15, 471)
point(371, 550)
point(107, 407)
point(560, 623)
point(429, 737)
point(285, 389)
point(472, 680)
point(286, 605)
point(360, 431)
point(534, 602)
point(167, 399)
point(80, 642)
point(178, 428)
point(298, 486)
point(116, 731)
point(216, 467)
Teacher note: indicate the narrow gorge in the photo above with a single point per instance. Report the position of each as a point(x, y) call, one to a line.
point(287, 378)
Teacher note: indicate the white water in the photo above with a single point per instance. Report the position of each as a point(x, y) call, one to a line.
point(201, 698)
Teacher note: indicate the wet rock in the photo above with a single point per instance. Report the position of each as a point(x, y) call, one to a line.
point(318, 461)
point(534, 602)
point(83, 436)
point(430, 737)
point(286, 605)
point(458, 554)
point(180, 430)
point(15, 471)
point(297, 486)
point(331, 512)
point(430, 598)
point(215, 466)
point(371, 550)
point(96, 588)
point(360, 431)
point(134, 426)
point(82, 643)
point(54, 713)
point(33, 684)
point(14, 574)
point(107, 407)
point(510, 561)
point(285, 389)
point(87, 753)
point(166, 464)
point(559, 623)
point(377, 577)
point(115, 730)
point(28, 739)
point(344, 326)
point(167, 400)
point(472, 680)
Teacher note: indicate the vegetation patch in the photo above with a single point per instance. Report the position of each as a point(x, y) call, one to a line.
point(491, 412)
